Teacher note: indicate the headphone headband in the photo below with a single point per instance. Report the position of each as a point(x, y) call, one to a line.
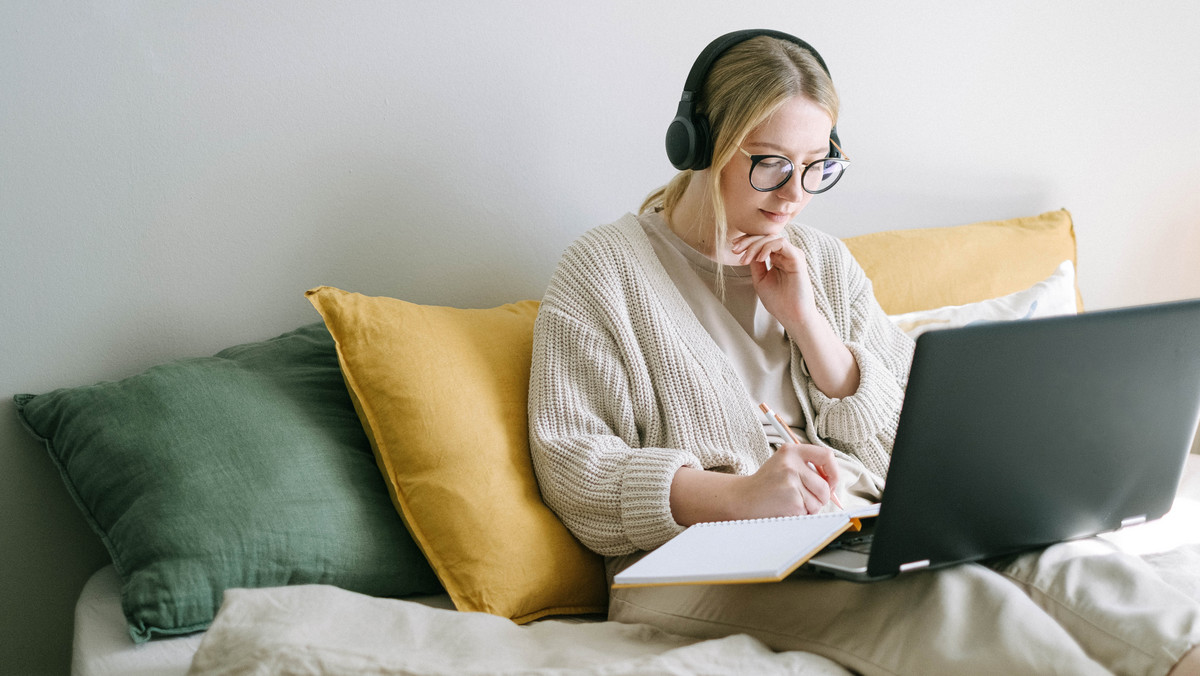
point(689, 138)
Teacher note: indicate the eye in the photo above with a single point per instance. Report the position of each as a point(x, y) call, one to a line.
point(775, 163)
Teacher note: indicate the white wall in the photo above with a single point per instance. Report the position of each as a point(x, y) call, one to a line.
point(173, 176)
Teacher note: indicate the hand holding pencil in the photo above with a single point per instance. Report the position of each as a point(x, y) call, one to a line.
point(787, 433)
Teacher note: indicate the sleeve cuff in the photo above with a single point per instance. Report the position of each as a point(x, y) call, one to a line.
point(646, 495)
point(864, 414)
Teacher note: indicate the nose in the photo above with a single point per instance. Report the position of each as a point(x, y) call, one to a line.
point(792, 190)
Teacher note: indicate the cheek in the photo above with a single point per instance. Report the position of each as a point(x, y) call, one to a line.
point(737, 191)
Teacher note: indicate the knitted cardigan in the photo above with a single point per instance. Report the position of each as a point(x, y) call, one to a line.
point(627, 386)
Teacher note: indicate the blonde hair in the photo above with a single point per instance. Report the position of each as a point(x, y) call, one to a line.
point(745, 86)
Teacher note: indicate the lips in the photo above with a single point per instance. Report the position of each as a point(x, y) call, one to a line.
point(776, 216)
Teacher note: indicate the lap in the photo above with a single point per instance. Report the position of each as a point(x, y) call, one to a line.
point(1021, 616)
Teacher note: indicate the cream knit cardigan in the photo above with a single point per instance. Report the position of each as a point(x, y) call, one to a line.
point(627, 386)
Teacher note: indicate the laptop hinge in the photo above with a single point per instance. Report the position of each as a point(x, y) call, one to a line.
point(1133, 521)
point(913, 565)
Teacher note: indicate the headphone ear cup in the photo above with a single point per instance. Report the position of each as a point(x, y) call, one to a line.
point(681, 142)
point(688, 142)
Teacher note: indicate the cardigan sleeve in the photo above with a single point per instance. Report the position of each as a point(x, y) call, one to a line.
point(864, 423)
point(585, 437)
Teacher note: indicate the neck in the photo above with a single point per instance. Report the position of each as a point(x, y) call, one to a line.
point(693, 221)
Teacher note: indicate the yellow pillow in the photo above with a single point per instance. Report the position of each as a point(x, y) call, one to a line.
point(442, 395)
point(928, 268)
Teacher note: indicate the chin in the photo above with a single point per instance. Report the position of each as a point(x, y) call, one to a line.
point(760, 224)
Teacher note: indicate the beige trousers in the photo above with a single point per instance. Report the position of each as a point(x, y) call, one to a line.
point(1080, 607)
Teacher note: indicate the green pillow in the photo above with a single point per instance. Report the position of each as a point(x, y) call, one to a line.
point(246, 469)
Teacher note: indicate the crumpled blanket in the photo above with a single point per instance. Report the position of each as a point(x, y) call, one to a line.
point(318, 629)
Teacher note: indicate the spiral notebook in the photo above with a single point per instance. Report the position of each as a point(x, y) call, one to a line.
point(755, 550)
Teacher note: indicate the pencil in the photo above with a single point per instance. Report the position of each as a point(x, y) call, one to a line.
point(787, 432)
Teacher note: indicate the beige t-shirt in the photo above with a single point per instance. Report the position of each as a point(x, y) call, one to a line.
point(752, 339)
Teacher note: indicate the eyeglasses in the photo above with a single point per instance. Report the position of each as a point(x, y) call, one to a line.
point(771, 172)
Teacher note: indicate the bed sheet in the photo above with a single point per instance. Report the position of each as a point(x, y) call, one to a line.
point(102, 646)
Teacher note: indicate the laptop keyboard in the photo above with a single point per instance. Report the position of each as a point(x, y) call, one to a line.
point(857, 543)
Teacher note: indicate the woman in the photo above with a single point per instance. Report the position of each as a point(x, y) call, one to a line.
point(660, 333)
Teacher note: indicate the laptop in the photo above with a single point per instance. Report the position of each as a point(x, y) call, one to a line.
point(1016, 435)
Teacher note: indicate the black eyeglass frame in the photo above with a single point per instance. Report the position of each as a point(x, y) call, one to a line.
point(755, 159)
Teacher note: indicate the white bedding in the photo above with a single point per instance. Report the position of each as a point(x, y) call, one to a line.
point(318, 629)
point(102, 646)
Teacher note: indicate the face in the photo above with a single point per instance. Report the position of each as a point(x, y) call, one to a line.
point(799, 130)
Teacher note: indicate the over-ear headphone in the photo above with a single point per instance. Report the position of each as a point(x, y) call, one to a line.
point(689, 138)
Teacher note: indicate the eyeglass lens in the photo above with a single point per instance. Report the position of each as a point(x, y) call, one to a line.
point(772, 172)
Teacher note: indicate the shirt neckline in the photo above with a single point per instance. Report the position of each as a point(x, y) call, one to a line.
point(694, 257)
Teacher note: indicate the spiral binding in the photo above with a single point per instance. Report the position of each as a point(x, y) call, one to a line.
point(768, 519)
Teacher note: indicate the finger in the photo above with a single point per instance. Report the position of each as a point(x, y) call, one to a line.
point(812, 502)
point(755, 244)
point(742, 242)
point(829, 472)
point(817, 487)
point(823, 461)
point(758, 272)
point(770, 249)
point(749, 249)
point(766, 252)
point(786, 257)
point(831, 481)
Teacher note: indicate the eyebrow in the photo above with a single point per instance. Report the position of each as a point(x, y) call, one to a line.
point(822, 151)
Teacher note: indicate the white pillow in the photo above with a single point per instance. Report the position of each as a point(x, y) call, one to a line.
point(1052, 296)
